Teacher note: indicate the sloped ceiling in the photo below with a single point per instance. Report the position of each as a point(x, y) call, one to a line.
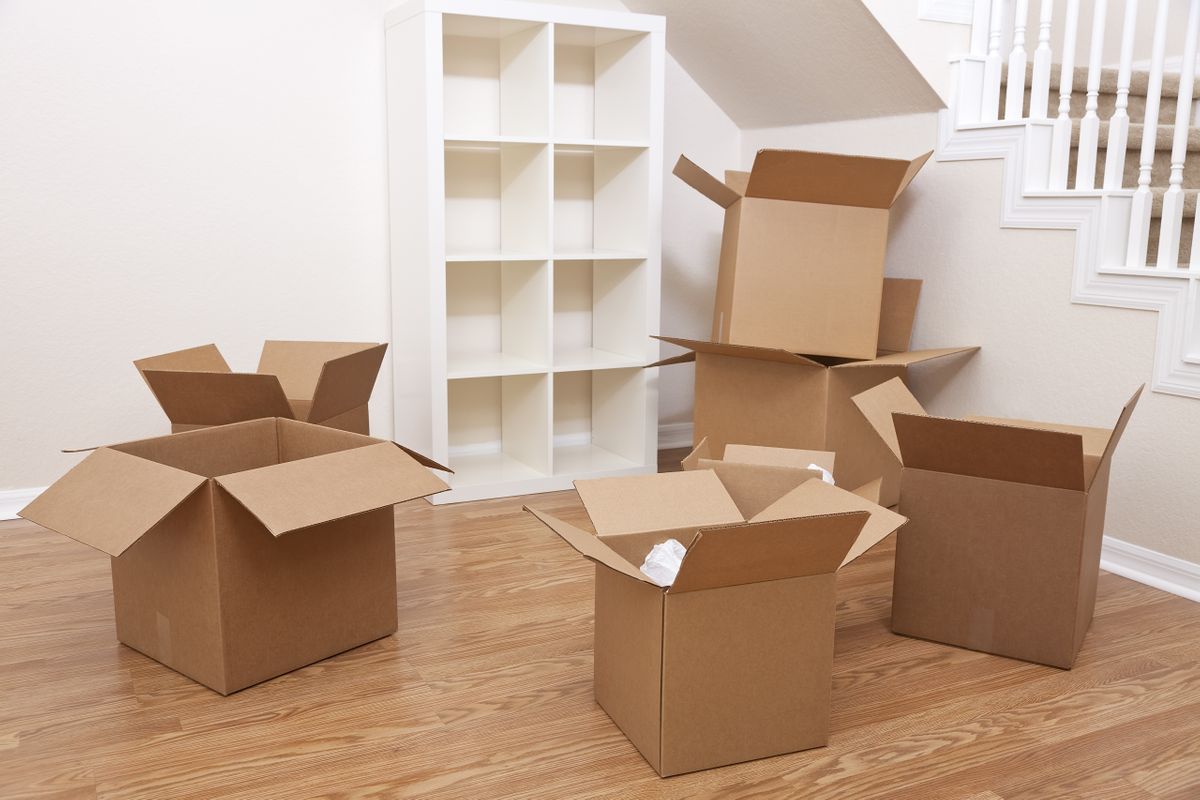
point(772, 63)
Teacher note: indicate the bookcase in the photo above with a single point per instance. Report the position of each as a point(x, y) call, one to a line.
point(525, 194)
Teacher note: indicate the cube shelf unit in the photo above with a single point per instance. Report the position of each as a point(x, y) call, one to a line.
point(525, 184)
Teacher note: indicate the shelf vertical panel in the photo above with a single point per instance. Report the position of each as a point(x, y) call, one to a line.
point(623, 87)
point(525, 75)
point(525, 403)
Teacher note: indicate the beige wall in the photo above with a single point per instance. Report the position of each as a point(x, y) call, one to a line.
point(1043, 357)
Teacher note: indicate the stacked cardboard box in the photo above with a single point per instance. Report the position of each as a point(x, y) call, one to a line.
point(804, 318)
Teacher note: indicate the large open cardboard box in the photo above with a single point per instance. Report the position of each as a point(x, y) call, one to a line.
point(1002, 551)
point(733, 661)
point(326, 383)
point(802, 253)
point(244, 551)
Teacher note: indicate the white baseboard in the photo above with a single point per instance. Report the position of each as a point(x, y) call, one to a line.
point(1152, 568)
point(675, 434)
point(13, 500)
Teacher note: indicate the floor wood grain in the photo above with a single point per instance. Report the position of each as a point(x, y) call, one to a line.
point(486, 692)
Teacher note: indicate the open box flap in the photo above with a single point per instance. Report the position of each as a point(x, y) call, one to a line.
point(346, 382)
point(217, 398)
point(752, 552)
point(753, 486)
point(205, 358)
point(110, 499)
point(590, 546)
point(878, 404)
point(870, 490)
point(897, 314)
point(298, 494)
point(831, 178)
point(906, 359)
point(663, 502)
point(737, 179)
point(741, 351)
point(683, 358)
point(1119, 428)
point(705, 183)
point(778, 456)
point(701, 452)
point(817, 497)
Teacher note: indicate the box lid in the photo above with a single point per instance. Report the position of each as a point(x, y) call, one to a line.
point(111, 499)
point(216, 398)
point(666, 501)
point(299, 494)
point(831, 178)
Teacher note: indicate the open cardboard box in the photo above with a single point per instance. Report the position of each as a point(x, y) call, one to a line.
point(733, 661)
point(802, 253)
point(326, 383)
point(757, 476)
point(1002, 551)
point(777, 398)
point(244, 551)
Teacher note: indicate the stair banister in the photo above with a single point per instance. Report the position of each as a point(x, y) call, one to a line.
point(1018, 59)
point(1039, 92)
point(992, 64)
point(1060, 152)
point(1172, 211)
point(1118, 123)
point(1089, 126)
point(1143, 200)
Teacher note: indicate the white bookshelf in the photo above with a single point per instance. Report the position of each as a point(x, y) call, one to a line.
point(525, 183)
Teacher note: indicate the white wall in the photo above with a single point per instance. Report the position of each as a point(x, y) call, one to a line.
point(173, 174)
point(1043, 357)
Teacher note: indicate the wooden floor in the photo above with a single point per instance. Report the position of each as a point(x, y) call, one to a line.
point(486, 692)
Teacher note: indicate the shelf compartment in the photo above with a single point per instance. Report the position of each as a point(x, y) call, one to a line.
point(498, 429)
point(497, 199)
point(600, 201)
point(496, 77)
point(599, 421)
point(601, 84)
point(599, 315)
point(497, 319)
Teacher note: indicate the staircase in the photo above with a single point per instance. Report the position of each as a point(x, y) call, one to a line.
point(1134, 245)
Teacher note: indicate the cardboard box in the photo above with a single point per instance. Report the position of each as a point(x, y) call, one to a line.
point(756, 477)
point(244, 551)
point(326, 383)
point(1002, 551)
point(802, 253)
point(776, 398)
point(733, 661)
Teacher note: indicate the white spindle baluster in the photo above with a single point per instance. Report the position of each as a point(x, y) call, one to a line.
point(1118, 123)
point(1139, 218)
point(980, 20)
point(1014, 98)
point(1039, 87)
point(1060, 153)
point(1172, 212)
point(992, 65)
point(1089, 126)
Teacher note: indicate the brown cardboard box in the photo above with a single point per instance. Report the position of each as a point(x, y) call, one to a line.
point(773, 397)
point(326, 383)
point(734, 660)
point(244, 551)
point(1007, 517)
point(802, 252)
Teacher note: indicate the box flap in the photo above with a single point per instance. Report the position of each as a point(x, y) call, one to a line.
point(737, 180)
point(986, 450)
point(752, 552)
point(205, 358)
point(423, 460)
point(741, 351)
point(752, 485)
point(831, 178)
point(907, 359)
point(110, 499)
point(778, 456)
point(897, 313)
point(590, 546)
point(701, 452)
point(817, 497)
point(1119, 428)
point(298, 494)
point(870, 490)
point(216, 398)
point(663, 502)
point(878, 404)
point(683, 358)
point(346, 382)
point(704, 183)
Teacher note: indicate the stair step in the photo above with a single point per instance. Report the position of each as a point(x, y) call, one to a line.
point(1163, 139)
point(1189, 202)
point(1139, 81)
point(1108, 93)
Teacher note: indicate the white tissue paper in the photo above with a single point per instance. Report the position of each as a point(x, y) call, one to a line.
point(663, 561)
point(826, 475)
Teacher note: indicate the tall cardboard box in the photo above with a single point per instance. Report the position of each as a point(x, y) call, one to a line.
point(733, 661)
point(244, 551)
point(1002, 551)
point(326, 383)
point(802, 252)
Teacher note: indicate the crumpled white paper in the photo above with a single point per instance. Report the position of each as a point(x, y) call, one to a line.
point(826, 475)
point(663, 561)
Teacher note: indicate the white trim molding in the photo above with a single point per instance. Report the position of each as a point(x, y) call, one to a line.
point(957, 11)
point(13, 500)
point(1152, 568)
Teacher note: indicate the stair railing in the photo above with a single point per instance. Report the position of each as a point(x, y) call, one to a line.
point(1143, 200)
